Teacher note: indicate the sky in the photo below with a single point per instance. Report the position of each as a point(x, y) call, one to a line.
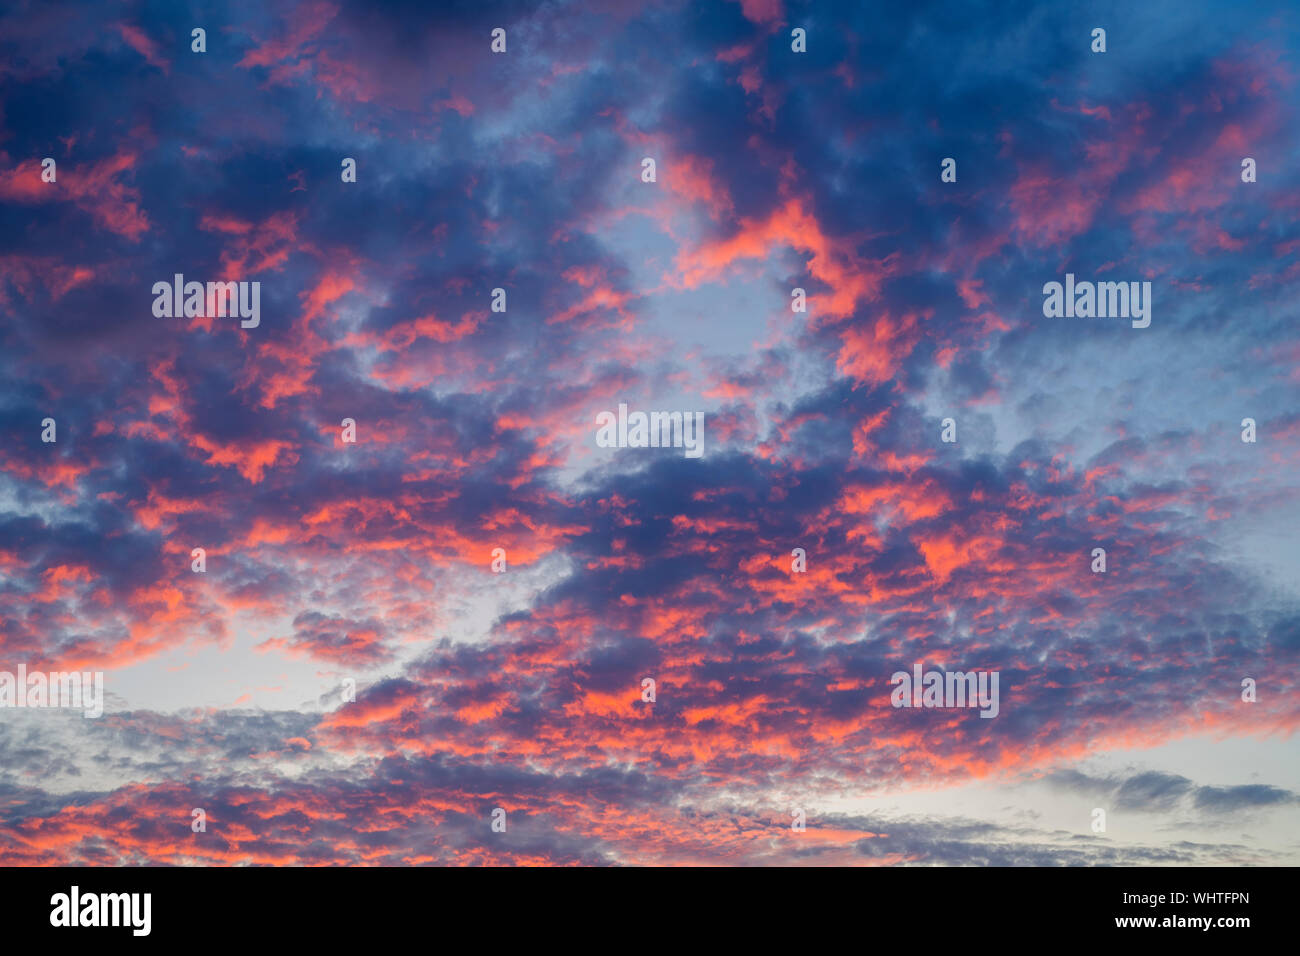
point(1161, 691)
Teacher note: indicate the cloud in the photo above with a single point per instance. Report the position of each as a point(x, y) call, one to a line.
point(371, 560)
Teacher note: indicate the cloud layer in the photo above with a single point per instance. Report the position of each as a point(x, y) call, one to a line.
point(522, 171)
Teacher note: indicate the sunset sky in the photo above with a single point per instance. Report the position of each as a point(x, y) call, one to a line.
point(476, 430)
